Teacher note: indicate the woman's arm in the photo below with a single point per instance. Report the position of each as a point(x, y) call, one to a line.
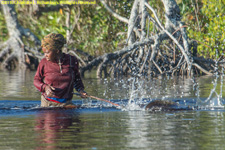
point(38, 78)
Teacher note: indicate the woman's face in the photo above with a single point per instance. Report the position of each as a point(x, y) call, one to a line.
point(50, 55)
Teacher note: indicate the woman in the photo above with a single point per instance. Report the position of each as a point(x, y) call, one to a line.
point(57, 73)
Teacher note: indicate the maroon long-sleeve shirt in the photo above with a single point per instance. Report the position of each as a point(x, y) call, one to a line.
point(48, 73)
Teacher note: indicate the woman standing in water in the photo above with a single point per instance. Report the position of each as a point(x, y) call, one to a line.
point(57, 73)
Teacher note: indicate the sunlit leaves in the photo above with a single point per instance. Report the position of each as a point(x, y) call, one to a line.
point(3, 29)
point(96, 31)
point(211, 16)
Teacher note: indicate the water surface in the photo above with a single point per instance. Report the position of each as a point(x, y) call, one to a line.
point(99, 125)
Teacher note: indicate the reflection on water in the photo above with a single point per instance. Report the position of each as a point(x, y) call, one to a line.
point(114, 130)
point(17, 85)
point(177, 131)
point(22, 127)
point(52, 125)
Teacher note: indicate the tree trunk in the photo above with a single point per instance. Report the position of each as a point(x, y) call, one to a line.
point(13, 53)
point(167, 51)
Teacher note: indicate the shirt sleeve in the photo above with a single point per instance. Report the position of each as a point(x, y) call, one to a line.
point(38, 78)
point(78, 84)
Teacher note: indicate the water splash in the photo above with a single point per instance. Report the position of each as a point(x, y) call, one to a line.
point(137, 93)
point(214, 100)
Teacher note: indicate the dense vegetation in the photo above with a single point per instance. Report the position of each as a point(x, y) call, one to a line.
point(97, 32)
point(92, 29)
point(205, 20)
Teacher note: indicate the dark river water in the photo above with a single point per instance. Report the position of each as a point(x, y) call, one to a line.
point(99, 125)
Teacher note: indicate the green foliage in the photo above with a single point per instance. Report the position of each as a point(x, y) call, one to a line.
point(98, 29)
point(214, 21)
point(210, 30)
point(47, 23)
point(3, 29)
point(95, 29)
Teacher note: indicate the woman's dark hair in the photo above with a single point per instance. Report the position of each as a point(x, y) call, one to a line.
point(53, 41)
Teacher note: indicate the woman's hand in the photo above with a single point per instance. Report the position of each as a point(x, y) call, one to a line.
point(49, 91)
point(83, 94)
